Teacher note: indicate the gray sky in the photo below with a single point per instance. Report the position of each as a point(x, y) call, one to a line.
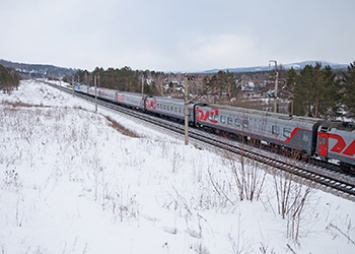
point(176, 35)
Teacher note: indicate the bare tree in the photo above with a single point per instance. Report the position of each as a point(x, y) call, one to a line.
point(291, 200)
point(249, 178)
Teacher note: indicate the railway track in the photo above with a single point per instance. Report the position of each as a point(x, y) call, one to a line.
point(330, 181)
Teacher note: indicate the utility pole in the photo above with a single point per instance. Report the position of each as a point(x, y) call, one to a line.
point(142, 85)
point(72, 82)
point(276, 84)
point(186, 110)
point(95, 94)
point(293, 96)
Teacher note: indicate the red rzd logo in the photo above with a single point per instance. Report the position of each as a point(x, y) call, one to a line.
point(208, 115)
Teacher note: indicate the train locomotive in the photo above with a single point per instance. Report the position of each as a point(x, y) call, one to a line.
point(314, 137)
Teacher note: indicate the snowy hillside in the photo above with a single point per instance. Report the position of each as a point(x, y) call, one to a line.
point(71, 183)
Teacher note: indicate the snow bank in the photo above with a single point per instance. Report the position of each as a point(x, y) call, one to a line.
point(70, 183)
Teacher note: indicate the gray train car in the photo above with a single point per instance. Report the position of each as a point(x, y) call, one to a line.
point(107, 94)
point(274, 128)
point(131, 100)
point(168, 107)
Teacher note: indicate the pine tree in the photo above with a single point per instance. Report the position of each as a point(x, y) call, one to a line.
point(291, 81)
point(315, 90)
point(304, 92)
point(348, 95)
point(327, 98)
point(318, 88)
point(9, 80)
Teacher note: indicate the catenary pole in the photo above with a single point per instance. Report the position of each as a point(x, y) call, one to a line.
point(186, 110)
point(72, 82)
point(276, 84)
point(95, 94)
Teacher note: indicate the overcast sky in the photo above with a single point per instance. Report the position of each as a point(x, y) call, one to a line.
point(176, 35)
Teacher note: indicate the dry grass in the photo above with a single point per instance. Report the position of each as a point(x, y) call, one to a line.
point(20, 104)
point(114, 124)
point(121, 129)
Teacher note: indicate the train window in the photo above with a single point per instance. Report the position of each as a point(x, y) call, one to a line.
point(245, 124)
point(223, 119)
point(275, 130)
point(171, 108)
point(180, 110)
point(305, 137)
point(287, 132)
point(216, 118)
point(164, 106)
point(236, 122)
point(230, 120)
point(210, 116)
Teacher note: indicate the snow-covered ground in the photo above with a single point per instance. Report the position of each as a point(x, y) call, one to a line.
point(70, 183)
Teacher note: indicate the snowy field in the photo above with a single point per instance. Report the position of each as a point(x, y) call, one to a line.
point(71, 183)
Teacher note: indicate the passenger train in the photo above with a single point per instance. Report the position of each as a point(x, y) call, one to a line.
point(314, 137)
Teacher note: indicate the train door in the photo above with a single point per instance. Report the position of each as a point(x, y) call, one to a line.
point(323, 143)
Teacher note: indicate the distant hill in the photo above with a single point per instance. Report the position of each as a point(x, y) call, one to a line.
point(296, 66)
point(38, 70)
point(51, 71)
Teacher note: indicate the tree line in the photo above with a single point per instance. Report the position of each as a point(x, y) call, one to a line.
point(9, 79)
point(124, 79)
point(321, 92)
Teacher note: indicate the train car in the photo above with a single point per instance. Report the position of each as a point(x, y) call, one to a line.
point(131, 100)
point(77, 87)
point(273, 128)
point(81, 88)
point(336, 140)
point(168, 107)
point(107, 94)
point(92, 90)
